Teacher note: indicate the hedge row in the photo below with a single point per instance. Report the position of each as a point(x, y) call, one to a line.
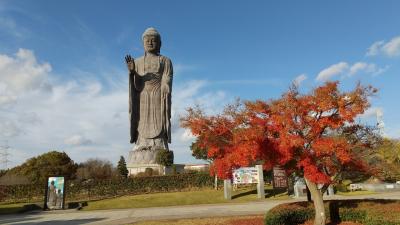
point(100, 189)
point(21, 193)
point(367, 212)
point(138, 185)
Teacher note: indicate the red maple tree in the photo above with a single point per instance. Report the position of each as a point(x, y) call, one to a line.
point(307, 133)
point(233, 138)
point(312, 129)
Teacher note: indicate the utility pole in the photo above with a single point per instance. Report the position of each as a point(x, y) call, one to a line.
point(4, 155)
point(380, 124)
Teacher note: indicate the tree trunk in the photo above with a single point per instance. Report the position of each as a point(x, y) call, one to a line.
point(216, 182)
point(320, 216)
point(308, 194)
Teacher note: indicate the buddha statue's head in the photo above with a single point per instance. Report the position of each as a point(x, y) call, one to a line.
point(151, 41)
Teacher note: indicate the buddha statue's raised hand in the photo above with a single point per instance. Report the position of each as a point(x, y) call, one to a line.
point(130, 63)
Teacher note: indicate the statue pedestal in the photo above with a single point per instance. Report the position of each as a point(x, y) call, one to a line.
point(138, 157)
point(134, 169)
point(139, 160)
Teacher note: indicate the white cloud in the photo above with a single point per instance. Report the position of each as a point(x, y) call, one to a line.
point(23, 72)
point(8, 129)
point(6, 99)
point(344, 68)
point(188, 95)
point(28, 118)
point(374, 49)
point(77, 140)
point(362, 67)
point(380, 70)
point(187, 136)
point(299, 79)
point(372, 112)
point(391, 48)
point(83, 117)
point(332, 70)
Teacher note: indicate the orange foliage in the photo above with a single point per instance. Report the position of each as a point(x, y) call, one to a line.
point(304, 129)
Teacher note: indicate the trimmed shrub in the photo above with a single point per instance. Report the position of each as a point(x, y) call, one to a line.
point(289, 214)
point(341, 188)
point(148, 172)
point(165, 157)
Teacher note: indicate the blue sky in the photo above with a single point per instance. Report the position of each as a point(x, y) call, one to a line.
point(63, 82)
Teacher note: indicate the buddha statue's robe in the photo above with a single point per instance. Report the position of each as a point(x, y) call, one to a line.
point(150, 102)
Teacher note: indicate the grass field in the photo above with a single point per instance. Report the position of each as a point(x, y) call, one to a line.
point(354, 193)
point(11, 208)
point(205, 196)
point(208, 196)
point(17, 207)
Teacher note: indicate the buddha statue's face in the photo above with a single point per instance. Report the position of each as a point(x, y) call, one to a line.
point(151, 44)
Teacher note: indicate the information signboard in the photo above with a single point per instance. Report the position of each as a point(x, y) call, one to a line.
point(245, 175)
point(280, 178)
point(55, 193)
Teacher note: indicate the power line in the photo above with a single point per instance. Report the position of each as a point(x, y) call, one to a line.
point(4, 155)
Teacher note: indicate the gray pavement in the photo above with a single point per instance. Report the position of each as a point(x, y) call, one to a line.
point(126, 216)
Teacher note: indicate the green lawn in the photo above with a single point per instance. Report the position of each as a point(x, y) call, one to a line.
point(354, 193)
point(15, 208)
point(205, 196)
point(179, 198)
point(11, 208)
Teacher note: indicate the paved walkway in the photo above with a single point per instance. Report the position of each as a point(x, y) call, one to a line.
point(126, 216)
